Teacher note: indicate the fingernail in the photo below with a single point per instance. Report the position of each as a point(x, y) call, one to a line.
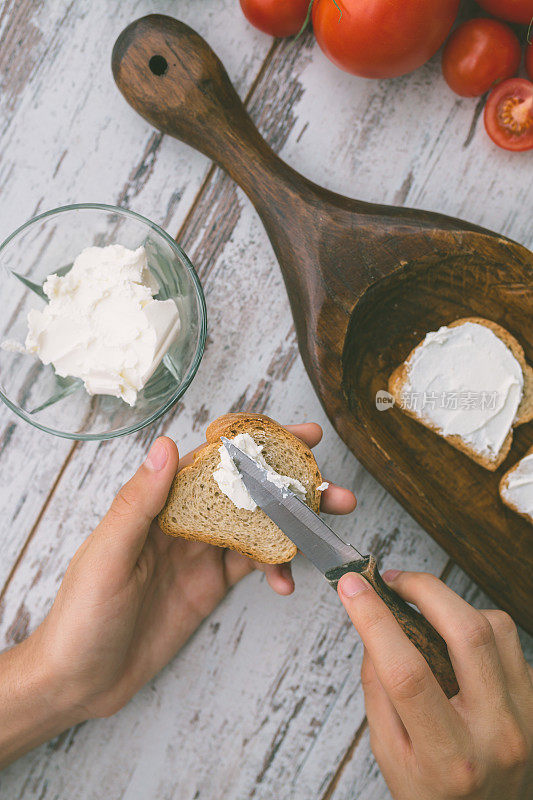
point(157, 457)
point(391, 574)
point(352, 584)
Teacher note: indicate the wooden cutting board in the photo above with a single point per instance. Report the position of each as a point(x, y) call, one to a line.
point(366, 283)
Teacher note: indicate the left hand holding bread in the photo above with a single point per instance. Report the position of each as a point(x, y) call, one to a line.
point(130, 598)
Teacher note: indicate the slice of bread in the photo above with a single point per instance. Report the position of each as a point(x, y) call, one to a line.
point(399, 379)
point(503, 486)
point(197, 509)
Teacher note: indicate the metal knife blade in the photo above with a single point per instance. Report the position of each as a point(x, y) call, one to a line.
point(334, 558)
point(309, 533)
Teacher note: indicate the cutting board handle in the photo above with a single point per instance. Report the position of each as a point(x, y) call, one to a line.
point(414, 625)
point(171, 76)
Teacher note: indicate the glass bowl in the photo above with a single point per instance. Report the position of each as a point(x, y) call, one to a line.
point(49, 243)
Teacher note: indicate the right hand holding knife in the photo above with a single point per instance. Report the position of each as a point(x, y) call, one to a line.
point(477, 745)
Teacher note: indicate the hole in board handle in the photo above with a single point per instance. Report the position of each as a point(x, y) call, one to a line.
point(158, 65)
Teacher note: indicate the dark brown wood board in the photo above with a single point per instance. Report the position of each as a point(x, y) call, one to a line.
point(365, 282)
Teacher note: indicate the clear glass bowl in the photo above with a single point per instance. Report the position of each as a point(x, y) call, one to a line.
point(49, 243)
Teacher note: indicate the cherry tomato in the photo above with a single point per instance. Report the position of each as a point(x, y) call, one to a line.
point(382, 38)
point(511, 10)
point(529, 60)
point(276, 17)
point(479, 54)
point(509, 114)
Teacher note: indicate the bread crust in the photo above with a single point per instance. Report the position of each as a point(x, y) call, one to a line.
point(230, 425)
point(503, 483)
point(524, 412)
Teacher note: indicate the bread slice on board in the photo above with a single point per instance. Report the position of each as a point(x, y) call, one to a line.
point(399, 379)
point(503, 485)
point(197, 509)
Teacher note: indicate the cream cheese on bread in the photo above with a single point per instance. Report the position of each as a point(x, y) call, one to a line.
point(467, 383)
point(516, 488)
point(231, 484)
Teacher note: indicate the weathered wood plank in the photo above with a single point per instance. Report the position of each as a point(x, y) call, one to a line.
point(279, 716)
point(230, 716)
point(66, 135)
point(96, 470)
point(263, 384)
point(403, 142)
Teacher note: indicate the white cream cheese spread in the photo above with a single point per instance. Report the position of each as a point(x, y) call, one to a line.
point(517, 488)
point(466, 382)
point(231, 484)
point(102, 323)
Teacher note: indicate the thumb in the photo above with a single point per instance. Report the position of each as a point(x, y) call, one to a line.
point(125, 526)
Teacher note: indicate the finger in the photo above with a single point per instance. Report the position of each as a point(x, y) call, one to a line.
point(189, 457)
point(308, 432)
point(125, 526)
point(389, 741)
point(337, 500)
point(279, 577)
point(430, 720)
point(514, 665)
point(236, 566)
point(387, 731)
point(468, 635)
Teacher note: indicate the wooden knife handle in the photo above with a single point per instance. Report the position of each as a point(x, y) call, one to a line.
point(171, 76)
point(415, 626)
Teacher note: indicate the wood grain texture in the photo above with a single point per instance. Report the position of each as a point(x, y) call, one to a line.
point(62, 132)
point(231, 716)
point(365, 282)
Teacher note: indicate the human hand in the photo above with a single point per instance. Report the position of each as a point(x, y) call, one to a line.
point(477, 745)
point(132, 596)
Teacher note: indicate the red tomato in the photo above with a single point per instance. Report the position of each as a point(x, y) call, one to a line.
point(479, 54)
point(382, 38)
point(511, 10)
point(509, 114)
point(276, 17)
point(529, 60)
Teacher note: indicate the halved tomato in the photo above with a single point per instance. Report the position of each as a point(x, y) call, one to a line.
point(509, 114)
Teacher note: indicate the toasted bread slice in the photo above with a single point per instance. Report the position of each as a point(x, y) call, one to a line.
point(399, 379)
point(506, 496)
point(197, 509)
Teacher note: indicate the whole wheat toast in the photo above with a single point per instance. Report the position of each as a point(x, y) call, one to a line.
point(197, 509)
point(503, 484)
point(524, 413)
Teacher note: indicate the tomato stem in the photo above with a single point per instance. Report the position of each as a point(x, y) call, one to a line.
point(308, 15)
point(339, 9)
point(306, 20)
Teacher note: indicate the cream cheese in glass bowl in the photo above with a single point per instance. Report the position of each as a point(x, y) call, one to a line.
point(103, 324)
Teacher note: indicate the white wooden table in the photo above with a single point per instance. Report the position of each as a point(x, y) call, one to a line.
point(265, 700)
